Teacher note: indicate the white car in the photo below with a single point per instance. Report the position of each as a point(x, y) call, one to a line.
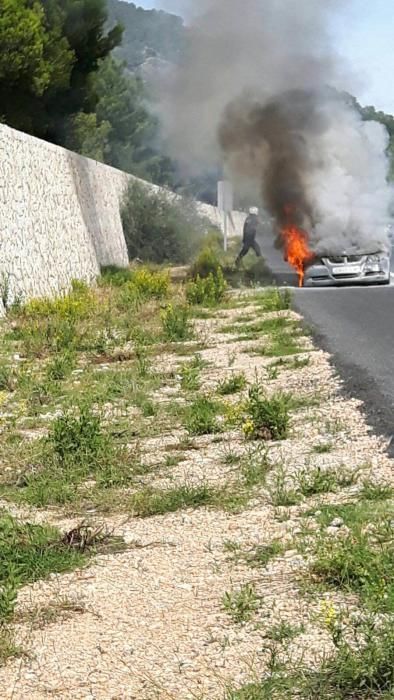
point(370, 267)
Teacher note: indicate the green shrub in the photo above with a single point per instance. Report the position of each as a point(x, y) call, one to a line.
point(190, 374)
point(207, 291)
point(208, 261)
point(266, 418)
point(232, 385)
point(115, 276)
point(176, 323)
point(151, 285)
point(61, 366)
point(160, 227)
point(201, 418)
point(82, 435)
point(274, 299)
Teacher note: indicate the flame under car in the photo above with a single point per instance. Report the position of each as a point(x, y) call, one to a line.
point(348, 269)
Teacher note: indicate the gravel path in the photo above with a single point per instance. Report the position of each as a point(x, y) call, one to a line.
point(149, 622)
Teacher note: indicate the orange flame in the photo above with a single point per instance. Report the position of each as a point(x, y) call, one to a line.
point(297, 251)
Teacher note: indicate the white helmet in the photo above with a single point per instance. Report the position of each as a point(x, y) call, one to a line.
point(254, 211)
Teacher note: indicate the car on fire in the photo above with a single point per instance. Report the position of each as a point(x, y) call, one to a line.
point(348, 267)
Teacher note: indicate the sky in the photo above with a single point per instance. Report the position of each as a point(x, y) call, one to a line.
point(364, 36)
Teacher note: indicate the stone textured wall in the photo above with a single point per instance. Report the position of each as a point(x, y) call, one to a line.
point(60, 216)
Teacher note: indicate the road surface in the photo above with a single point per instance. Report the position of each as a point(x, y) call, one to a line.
point(356, 325)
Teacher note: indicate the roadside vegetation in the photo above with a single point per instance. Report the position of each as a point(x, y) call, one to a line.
point(90, 380)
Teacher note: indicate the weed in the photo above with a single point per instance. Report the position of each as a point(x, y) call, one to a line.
point(28, 553)
point(315, 481)
point(150, 285)
point(151, 502)
point(272, 372)
point(242, 604)
point(207, 262)
point(61, 366)
point(8, 379)
point(176, 323)
point(357, 564)
point(232, 385)
point(257, 557)
point(190, 374)
point(201, 418)
point(255, 466)
point(266, 418)
point(281, 494)
point(274, 300)
point(360, 670)
point(284, 632)
point(82, 435)
point(231, 458)
point(207, 291)
point(115, 276)
point(372, 491)
point(323, 448)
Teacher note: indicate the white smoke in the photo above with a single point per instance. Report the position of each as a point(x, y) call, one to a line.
point(244, 55)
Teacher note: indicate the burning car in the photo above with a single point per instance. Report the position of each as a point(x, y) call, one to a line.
point(350, 267)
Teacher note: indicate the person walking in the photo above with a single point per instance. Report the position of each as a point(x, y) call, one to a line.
point(251, 227)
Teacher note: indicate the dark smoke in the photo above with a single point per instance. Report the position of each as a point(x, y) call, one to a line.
point(250, 91)
point(277, 127)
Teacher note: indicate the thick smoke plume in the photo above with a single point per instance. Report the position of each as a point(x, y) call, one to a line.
point(262, 89)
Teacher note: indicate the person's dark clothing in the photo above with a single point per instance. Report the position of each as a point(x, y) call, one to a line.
point(251, 228)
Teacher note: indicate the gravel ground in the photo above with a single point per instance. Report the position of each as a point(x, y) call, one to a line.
point(150, 621)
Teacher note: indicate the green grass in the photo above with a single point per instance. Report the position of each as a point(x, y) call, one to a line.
point(267, 418)
point(376, 492)
point(232, 385)
point(190, 373)
point(361, 670)
point(28, 553)
point(362, 561)
point(280, 492)
point(151, 502)
point(241, 604)
point(78, 458)
point(201, 416)
point(323, 448)
point(257, 557)
point(284, 632)
point(273, 300)
point(314, 481)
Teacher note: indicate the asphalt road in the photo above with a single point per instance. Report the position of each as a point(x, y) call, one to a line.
point(356, 325)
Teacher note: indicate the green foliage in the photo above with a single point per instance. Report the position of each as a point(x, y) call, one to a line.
point(190, 374)
point(115, 276)
point(208, 260)
point(55, 325)
point(28, 553)
point(151, 502)
point(241, 604)
point(52, 50)
point(274, 299)
point(201, 418)
point(61, 366)
point(267, 418)
point(232, 385)
point(284, 632)
point(147, 33)
point(176, 323)
point(158, 227)
point(151, 285)
point(80, 435)
point(356, 564)
point(207, 291)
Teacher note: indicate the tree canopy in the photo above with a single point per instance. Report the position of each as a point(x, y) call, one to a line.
point(50, 49)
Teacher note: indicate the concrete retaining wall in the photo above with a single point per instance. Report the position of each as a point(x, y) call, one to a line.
point(59, 216)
